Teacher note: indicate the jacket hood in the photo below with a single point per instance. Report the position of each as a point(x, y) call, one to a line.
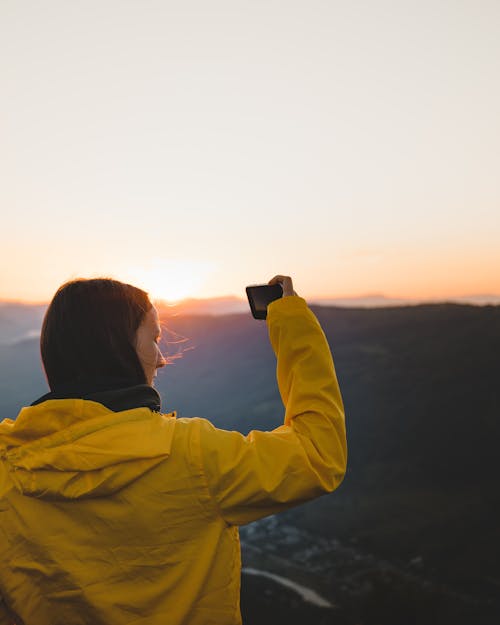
point(75, 448)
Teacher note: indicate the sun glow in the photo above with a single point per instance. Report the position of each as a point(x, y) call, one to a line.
point(170, 280)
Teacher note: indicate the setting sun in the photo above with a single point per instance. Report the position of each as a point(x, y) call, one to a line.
point(170, 280)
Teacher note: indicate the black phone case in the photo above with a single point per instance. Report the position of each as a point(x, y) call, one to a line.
point(267, 293)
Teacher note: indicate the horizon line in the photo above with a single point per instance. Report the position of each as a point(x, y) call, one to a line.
point(311, 298)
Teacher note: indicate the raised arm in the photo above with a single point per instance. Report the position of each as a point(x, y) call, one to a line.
point(253, 476)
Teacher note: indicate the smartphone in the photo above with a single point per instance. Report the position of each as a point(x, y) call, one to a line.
point(260, 296)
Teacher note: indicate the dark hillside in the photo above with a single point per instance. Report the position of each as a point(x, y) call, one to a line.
point(421, 392)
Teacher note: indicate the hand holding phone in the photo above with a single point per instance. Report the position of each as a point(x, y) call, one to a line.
point(261, 295)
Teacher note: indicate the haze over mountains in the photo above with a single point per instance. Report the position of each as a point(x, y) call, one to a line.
point(18, 320)
point(233, 304)
point(411, 536)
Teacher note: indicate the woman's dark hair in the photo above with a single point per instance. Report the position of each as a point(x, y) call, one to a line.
point(89, 330)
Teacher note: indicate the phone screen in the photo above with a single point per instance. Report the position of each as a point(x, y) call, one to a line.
point(260, 296)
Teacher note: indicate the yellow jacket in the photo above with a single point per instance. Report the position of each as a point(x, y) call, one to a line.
point(132, 517)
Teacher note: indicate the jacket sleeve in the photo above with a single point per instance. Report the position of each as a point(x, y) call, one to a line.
point(253, 476)
point(5, 618)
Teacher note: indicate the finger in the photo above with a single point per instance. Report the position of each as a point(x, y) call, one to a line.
point(279, 279)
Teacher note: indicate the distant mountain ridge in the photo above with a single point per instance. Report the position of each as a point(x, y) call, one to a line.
point(232, 304)
point(20, 321)
point(17, 319)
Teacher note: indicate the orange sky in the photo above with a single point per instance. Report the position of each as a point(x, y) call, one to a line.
point(195, 151)
point(405, 276)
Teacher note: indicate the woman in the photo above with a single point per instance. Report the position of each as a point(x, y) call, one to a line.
point(112, 512)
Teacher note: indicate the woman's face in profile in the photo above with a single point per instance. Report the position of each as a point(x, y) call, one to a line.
point(147, 348)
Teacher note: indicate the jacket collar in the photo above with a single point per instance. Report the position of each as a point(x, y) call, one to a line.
point(117, 394)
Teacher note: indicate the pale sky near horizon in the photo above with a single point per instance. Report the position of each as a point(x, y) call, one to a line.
point(195, 147)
